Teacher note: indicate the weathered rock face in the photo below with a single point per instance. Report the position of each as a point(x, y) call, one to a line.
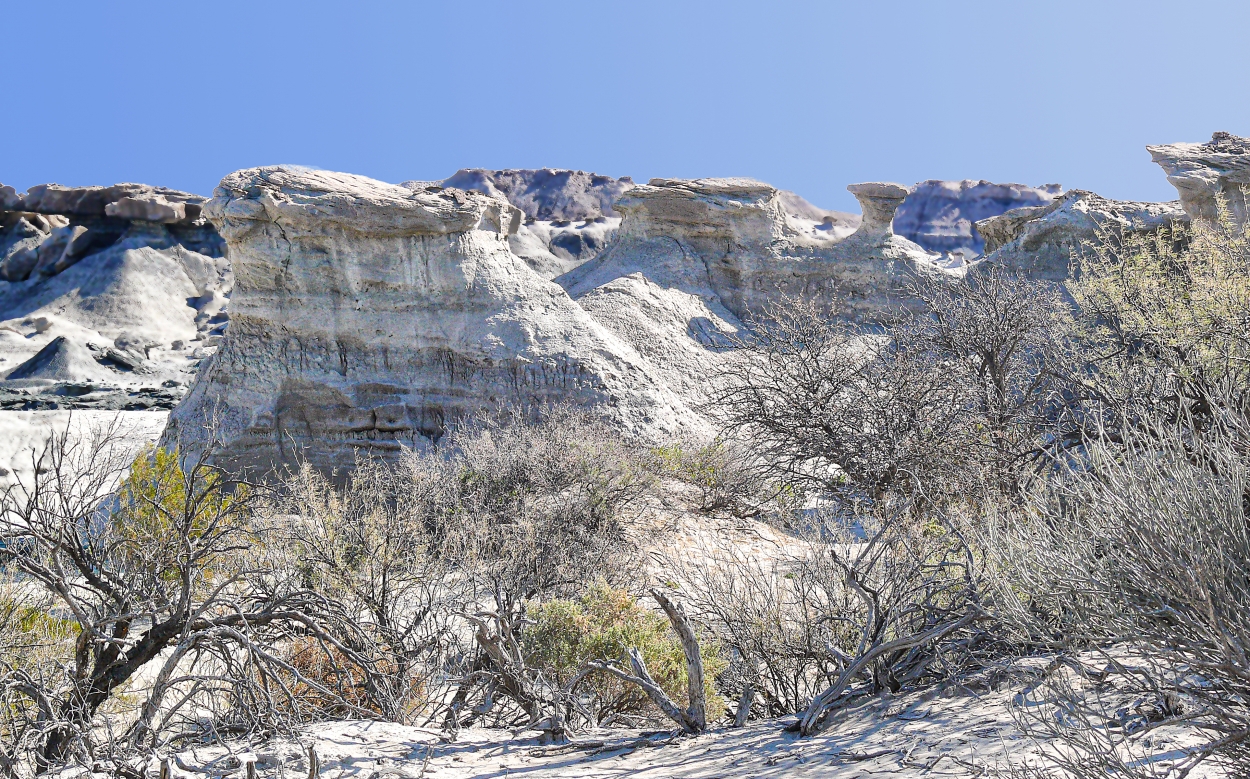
point(1207, 174)
point(1041, 241)
point(97, 217)
point(547, 195)
point(85, 267)
point(940, 215)
point(878, 201)
point(568, 213)
point(733, 243)
point(367, 315)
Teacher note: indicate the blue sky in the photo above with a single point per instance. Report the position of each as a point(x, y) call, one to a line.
point(808, 96)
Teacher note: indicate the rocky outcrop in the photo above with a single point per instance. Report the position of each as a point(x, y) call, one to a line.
point(367, 315)
point(1041, 241)
point(878, 201)
point(735, 244)
point(1208, 175)
point(50, 227)
point(62, 360)
point(940, 215)
point(547, 195)
point(84, 269)
point(568, 213)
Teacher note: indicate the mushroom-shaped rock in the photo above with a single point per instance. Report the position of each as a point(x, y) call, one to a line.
point(1207, 173)
point(878, 200)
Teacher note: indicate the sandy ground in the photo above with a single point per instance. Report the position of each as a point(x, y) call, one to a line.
point(947, 731)
point(24, 432)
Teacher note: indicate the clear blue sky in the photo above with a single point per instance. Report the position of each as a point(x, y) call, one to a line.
point(808, 96)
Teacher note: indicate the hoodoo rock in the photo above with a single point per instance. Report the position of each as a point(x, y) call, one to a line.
point(735, 244)
point(878, 200)
point(372, 316)
point(1208, 175)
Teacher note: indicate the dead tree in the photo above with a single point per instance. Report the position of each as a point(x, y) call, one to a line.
point(162, 562)
point(693, 718)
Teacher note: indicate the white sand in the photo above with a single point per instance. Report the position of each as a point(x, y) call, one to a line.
point(943, 731)
point(25, 432)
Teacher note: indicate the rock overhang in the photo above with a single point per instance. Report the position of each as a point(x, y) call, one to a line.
point(312, 201)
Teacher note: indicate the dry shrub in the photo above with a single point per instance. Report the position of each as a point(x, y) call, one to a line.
point(1143, 544)
point(854, 606)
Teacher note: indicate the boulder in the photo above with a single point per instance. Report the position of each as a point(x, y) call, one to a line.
point(1208, 174)
point(368, 316)
point(128, 201)
point(149, 208)
point(940, 215)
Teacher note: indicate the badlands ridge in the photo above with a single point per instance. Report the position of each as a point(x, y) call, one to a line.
point(307, 314)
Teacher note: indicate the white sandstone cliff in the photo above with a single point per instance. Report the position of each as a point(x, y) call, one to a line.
point(368, 315)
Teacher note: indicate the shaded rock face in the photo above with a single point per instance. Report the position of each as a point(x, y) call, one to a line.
point(734, 244)
point(367, 315)
point(83, 268)
point(50, 227)
point(1041, 241)
point(568, 213)
point(941, 215)
point(1208, 174)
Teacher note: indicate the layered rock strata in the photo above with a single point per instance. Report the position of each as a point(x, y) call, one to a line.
point(1209, 175)
point(734, 244)
point(121, 289)
point(373, 316)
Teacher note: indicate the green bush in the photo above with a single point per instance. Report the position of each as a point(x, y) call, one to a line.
point(603, 625)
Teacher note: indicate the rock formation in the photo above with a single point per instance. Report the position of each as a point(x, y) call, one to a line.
point(1208, 174)
point(85, 269)
point(732, 243)
point(939, 215)
point(568, 213)
point(878, 201)
point(569, 216)
point(547, 195)
point(368, 315)
point(1041, 241)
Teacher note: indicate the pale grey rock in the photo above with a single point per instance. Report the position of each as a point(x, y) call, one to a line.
point(148, 208)
point(1042, 241)
point(141, 200)
point(62, 360)
point(568, 213)
point(940, 215)
point(553, 249)
point(9, 198)
point(545, 195)
point(367, 315)
point(686, 340)
point(879, 201)
point(732, 243)
point(1208, 174)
